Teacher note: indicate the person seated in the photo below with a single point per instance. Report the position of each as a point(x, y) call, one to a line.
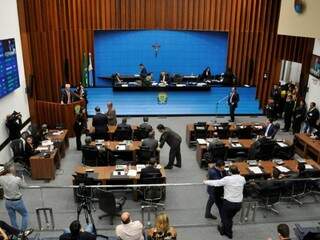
point(270, 129)
point(164, 78)
point(147, 81)
point(117, 79)
point(145, 125)
point(75, 231)
point(150, 171)
point(111, 114)
point(228, 77)
point(7, 231)
point(128, 229)
point(100, 124)
point(67, 96)
point(150, 142)
point(162, 229)
point(124, 124)
point(29, 149)
point(143, 71)
point(283, 232)
point(88, 143)
point(301, 171)
point(206, 74)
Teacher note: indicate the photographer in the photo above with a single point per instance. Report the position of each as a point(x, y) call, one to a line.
point(14, 125)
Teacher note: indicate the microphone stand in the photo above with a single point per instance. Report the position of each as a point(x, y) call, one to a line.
point(217, 106)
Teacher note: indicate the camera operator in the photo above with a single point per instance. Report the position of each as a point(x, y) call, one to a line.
point(14, 125)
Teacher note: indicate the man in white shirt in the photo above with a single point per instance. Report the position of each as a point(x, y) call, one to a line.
point(129, 230)
point(232, 198)
point(12, 185)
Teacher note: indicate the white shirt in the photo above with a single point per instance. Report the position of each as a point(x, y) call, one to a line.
point(232, 186)
point(130, 231)
point(12, 186)
point(267, 130)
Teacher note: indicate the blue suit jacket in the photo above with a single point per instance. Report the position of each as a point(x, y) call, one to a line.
point(215, 174)
point(271, 130)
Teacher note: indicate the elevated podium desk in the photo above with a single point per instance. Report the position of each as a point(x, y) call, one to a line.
point(52, 113)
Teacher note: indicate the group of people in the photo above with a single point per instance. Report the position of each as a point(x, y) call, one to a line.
point(127, 230)
point(284, 102)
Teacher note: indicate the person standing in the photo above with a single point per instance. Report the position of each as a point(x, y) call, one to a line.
point(232, 198)
point(299, 115)
point(12, 185)
point(111, 115)
point(288, 112)
point(79, 126)
point(100, 124)
point(173, 139)
point(312, 118)
point(233, 102)
point(215, 193)
point(276, 96)
point(67, 96)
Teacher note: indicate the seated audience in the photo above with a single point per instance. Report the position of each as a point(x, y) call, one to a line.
point(7, 231)
point(124, 124)
point(145, 125)
point(162, 229)
point(150, 170)
point(76, 232)
point(129, 230)
point(150, 142)
point(100, 124)
point(283, 232)
point(29, 149)
point(111, 114)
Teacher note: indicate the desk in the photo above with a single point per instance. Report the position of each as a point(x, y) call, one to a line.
point(202, 148)
point(257, 128)
point(61, 138)
point(112, 130)
point(307, 147)
point(104, 174)
point(45, 168)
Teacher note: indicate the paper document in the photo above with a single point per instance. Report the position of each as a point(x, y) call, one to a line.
point(255, 170)
point(308, 166)
point(201, 141)
point(57, 133)
point(281, 144)
point(132, 173)
point(236, 145)
point(140, 166)
point(121, 147)
point(283, 169)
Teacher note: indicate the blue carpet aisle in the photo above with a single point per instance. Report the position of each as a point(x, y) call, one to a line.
point(179, 103)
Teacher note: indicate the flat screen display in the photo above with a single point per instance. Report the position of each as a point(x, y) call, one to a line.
point(9, 74)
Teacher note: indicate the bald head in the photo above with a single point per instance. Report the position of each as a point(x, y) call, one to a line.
point(125, 217)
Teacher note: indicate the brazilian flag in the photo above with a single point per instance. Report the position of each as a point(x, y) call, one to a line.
point(84, 70)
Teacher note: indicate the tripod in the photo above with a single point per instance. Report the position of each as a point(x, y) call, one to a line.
point(86, 207)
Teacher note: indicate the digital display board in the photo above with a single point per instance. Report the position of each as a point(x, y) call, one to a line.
point(9, 74)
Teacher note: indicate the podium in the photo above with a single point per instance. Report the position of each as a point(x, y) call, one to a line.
point(52, 113)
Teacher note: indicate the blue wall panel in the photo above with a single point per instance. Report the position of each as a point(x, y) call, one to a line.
point(183, 52)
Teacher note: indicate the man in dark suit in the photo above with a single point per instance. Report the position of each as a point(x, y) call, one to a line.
point(312, 118)
point(77, 232)
point(276, 96)
point(145, 125)
point(215, 193)
point(100, 123)
point(233, 100)
point(143, 71)
point(67, 96)
point(124, 124)
point(173, 139)
point(150, 142)
point(151, 171)
point(270, 129)
point(288, 112)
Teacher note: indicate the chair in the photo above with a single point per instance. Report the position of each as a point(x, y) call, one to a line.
point(217, 152)
point(109, 204)
point(200, 130)
point(19, 157)
point(283, 152)
point(269, 196)
point(123, 134)
point(244, 132)
point(144, 155)
point(140, 133)
point(264, 150)
point(223, 131)
point(90, 156)
point(277, 127)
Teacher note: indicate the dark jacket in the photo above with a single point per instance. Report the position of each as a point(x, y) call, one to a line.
point(29, 150)
point(170, 137)
point(143, 72)
point(313, 116)
point(146, 126)
point(215, 174)
point(205, 75)
point(82, 236)
point(276, 95)
point(100, 123)
point(112, 117)
point(271, 130)
point(124, 126)
point(288, 108)
point(300, 113)
point(64, 96)
point(151, 143)
point(233, 98)
point(79, 124)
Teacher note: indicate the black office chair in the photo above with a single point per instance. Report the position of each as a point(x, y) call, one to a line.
point(109, 204)
point(307, 233)
point(90, 156)
point(100, 134)
point(144, 155)
point(244, 132)
point(123, 134)
point(263, 149)
point(223, 131)
point(283, 152)
point(17, 147)
point(200, 130)
point(140, 133)
point(216, 152)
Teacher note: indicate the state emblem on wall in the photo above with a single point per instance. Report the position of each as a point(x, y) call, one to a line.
point(162, 98)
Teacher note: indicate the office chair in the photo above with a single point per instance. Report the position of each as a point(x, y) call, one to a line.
point(100, 134)
point(244, 132)
point(144, 155)
point(90, 156)
point(123, 134)
point(109, 204)
point(269, 196)
point(17, 148)
point(264, 150)
point(223, 131)
point(217, 152)
point(200, 130)
point(283, 152)
point(140, 133)
point(152, 196)
point(277, 127)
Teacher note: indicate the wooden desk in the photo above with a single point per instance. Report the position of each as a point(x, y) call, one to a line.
point(45, 168)
point(212, 130)
point(307, 147)
point(104, 174)
point(112, 130)
point(61, 138)
point(202, 148)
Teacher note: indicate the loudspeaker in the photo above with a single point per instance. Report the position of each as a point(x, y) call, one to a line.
point(66, 71)
point(29, 87)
